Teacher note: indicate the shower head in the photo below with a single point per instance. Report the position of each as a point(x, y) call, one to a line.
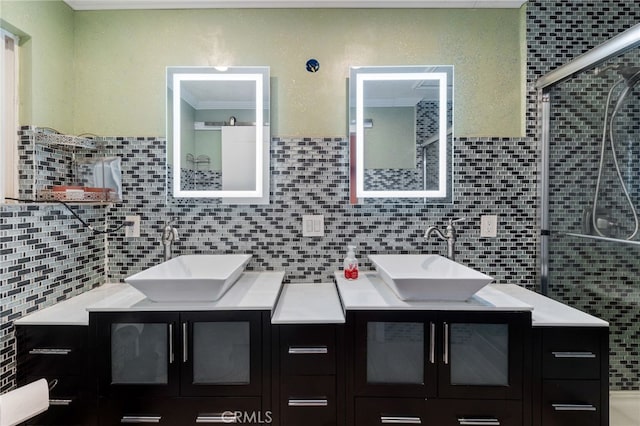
point(630, 74)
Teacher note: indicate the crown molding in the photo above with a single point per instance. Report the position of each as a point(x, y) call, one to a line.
point(267, 4)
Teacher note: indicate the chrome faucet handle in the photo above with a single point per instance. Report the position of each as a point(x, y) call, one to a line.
point(460, 219)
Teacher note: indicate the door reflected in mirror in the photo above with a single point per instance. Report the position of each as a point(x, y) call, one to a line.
point(218, 134)
point(400, 133)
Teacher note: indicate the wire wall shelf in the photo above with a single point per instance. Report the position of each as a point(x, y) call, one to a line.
point(67, 142)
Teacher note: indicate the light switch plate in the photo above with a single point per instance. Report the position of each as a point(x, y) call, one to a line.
point(313, 225)
point(489, 226)
point(134, 230)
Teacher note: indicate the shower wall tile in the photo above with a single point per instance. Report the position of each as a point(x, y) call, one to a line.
point(601, 278)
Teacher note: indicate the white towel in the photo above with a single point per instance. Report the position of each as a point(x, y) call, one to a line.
point(23, 403)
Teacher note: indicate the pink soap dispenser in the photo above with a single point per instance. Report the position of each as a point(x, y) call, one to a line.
point(351, 264)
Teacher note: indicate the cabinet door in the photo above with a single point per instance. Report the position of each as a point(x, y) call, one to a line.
point(482, 355)
point(137, 353)
point(391, 411)
point(221, 354)
point(395, 354)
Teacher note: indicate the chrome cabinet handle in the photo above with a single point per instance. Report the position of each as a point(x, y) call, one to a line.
point(63, 402)
point(573, 354)
point(432, 343)
point(445, 354)
point(140, 419)
point(227, 417)
point(400, 420)
point(171, 356)
point(468, 421)
point(185, 341)
point(307, 402)
point(308, 350)
point(49, 351)
point(573, 407)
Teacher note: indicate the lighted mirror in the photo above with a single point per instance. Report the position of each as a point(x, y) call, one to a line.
point(400, 131)
point(218, 133)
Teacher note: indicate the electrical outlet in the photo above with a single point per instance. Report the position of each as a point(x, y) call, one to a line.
point(132, 231)
point(313, 225)
point(489, 226)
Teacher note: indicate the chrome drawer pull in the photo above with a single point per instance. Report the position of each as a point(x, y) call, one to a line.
point(171, 354)
point(445, 355)
point(185, 342)
point(226, 417)
point(469, 421)
point(307, 402)
point(574, 354)
point(400, 420)
point(308, 350)
point(573, 407)
point(60, 401)
point(432, 343)
point(140, 419)
point(49, 351)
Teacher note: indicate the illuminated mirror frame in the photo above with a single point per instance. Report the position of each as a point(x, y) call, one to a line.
point(260, 164)
point(361, 78)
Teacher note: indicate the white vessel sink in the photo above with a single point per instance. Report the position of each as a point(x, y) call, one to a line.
point(190, 278)
point(428, 277)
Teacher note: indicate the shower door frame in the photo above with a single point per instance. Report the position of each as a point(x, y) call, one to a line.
point(611, 48)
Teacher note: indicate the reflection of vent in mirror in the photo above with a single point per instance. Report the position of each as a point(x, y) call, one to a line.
point(407, 155)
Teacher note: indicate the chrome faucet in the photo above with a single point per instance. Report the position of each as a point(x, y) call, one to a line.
point(449, 236)
point(169, 235)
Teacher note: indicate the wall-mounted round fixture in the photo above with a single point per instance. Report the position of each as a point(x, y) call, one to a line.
point(313, 65)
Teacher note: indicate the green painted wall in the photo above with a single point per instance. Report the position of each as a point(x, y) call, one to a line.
point(46, 29)
point(120, 57)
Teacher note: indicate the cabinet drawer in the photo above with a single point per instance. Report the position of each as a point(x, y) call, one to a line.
point(47, 350)
point(226, 410)
point(137, 411)
point(308, 400)
point(308, 349)
point(453, 412)
point(566, 402)
point(383, 411)
point(61, 415)
point(571, 353)
point(64, 390)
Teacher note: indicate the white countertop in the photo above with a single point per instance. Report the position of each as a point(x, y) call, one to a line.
point(253, 291)
point(72, 311)
point(309, 304)
point(548, 312)
point(369, 292)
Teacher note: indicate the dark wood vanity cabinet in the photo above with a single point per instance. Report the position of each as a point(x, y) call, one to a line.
point(572, 376)
point(430, 367)
point(309, 374)
point(180, 368)
point(58, 353)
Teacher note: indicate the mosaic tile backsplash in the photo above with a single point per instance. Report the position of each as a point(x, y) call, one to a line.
point(45, 256)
